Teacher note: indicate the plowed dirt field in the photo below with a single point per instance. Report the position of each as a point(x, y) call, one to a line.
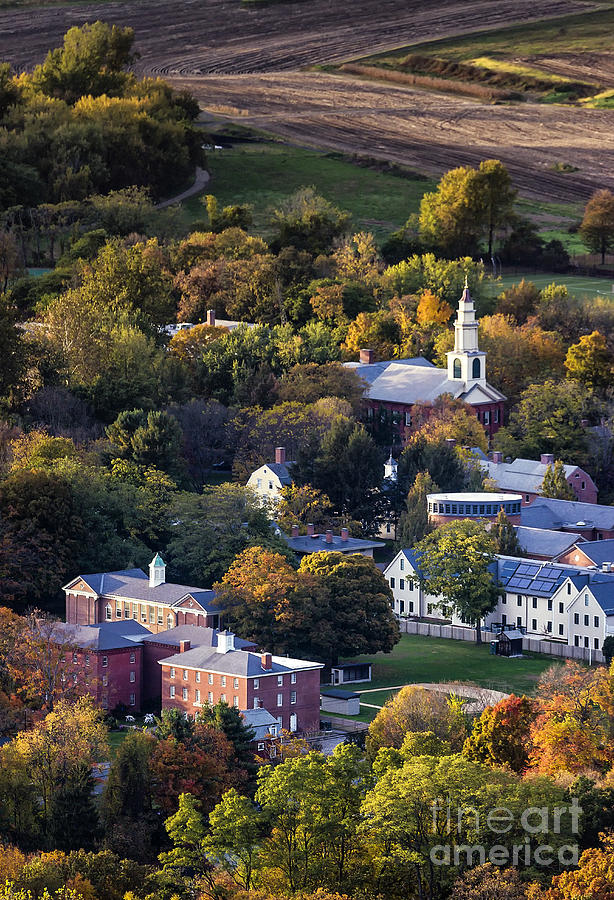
point(246, 63)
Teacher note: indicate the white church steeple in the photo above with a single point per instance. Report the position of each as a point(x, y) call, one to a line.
point(466, 363)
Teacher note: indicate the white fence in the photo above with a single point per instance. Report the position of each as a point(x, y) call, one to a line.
point(532, 645)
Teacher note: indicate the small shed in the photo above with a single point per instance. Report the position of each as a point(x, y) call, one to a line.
point(507, 643)
point(333, 700)
point(344, 673)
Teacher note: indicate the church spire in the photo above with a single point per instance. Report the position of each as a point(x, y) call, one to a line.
point(466, 362)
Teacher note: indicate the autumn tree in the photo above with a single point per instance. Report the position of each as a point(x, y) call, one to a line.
point(555, 483)
point(518, 301)
point(230, 722)
point(501, 735)
point(449, 418)
point(414, 710)
point(591, 362)
point(433, 311)
point(303, 505)
point(489, 882)
point(594, 877)
point(455, 561)
point(308, 382)
point(597, 228)
point(356, 258)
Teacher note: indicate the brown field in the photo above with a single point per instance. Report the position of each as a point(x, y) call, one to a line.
point(245, 64)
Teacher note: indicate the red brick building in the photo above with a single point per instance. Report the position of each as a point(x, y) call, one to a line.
point(131, 594)
point(118, 662)
point(525, 477)
point(289, 689)
point(395, 387)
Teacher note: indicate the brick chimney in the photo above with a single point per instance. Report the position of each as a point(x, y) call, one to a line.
point(344, 534)
point(329, 537)
point(310, 530)
point(497, 457)
point(184, 646)
point(547, 459)
point(367, 357)
point(267, 661)
point(210, 317)
point(280, 455)
point(584, 423)
point(295, 531)
point(606, 567)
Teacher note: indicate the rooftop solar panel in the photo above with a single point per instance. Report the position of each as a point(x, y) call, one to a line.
point(528, 570)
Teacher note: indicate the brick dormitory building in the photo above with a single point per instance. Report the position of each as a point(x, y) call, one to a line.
point(120, 652)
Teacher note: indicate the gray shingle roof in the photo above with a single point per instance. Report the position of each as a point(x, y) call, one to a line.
point(133, 584)
point(104, 635)
point(198, 635)
point(260, 720)
point(236, 662)
point(543, 542)
point(555, 514)
point(412, 381)
point(522, 475)
point(313, 544)
point(282, 471)
point(598, 551)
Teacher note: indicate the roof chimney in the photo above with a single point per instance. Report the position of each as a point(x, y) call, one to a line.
point(605, 567)
point(225, 641)
point(329, 537)
point(295, 531)
point(184, 646)
point(267, 661)
point(280, 455)
point(367, 357)
point(547, 459)
point(497, 457)
point(210, 317)
point(310, 530)
point(584, 423)
point(344, 534)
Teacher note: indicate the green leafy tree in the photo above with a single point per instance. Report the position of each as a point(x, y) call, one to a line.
point(187, 832)
point(597, 228)
point(148, 438)
point(90, 62)
point(548, 418)
point(308, 222)
point(501, 735)
point(496, 198)
point(455, 562)
point(236, 828)
point(73, 815)
point(445, 278)
point(555, 483)
point(359, 603)
point(591, 362)
point(504, 535)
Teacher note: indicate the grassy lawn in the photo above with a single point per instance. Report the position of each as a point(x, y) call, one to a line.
point(263, 174)
point(422, 659)
point(577, 285)
point(116, 739)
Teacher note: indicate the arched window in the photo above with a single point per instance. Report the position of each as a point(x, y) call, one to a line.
point(476, 368)
point(169, 621)
point(109, 611)
point(457, 368)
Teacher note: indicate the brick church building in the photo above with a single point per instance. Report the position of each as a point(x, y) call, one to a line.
point(395, 387)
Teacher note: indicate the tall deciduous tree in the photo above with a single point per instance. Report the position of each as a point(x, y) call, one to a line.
point(501, 735)
point(456, 561)
point(597, 228)
point(414, 523)
point(359, 603)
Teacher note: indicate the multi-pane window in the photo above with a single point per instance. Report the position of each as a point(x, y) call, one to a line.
point(197, 696)
point(172, 672)
point(292, 696)
point(223, 681)
point(293, 678)
point(235, 702)
point(235, 683)
point(171, 691)
point(133, 657)
point(210, 697)
point(197, 677)
point(210, 679)
point(132, 699)
point(280, 699)
point(133, 677)
point(280, 680)
point(184, 693)
point(185, 674)
point(105, 661)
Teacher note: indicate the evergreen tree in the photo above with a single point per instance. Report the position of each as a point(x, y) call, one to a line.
point(414, 523)
point(229, 720)
point(504, 534)
point(555, 484)
point(73, 822)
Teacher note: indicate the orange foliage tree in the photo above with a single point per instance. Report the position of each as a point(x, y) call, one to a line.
point(594, 877)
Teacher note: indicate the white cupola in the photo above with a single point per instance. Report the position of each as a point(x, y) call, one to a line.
point(466, 363)
point(157, 571)
point(390, 468)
